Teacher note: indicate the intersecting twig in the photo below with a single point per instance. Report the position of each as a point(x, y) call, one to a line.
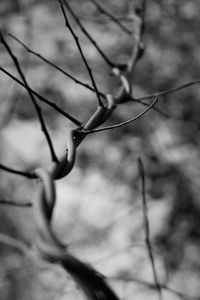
point(123, 123)
point(76, 80)
point(164, 114)
point(43, 99)
point(81, 53)
point(111, 17)
point(147, 229)
point(103, 55)
point(37, 107)
point(140, 101)
point(151, 285)
point(93, 283)
point(61, 111)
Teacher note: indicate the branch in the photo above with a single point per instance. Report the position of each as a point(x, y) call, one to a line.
point(81, 52)
point(107, 60)
point(73, 78)
point(178, 293)
point(147, 229)
point(13, 203)
point(54, 65)
point(152, 286)
point(37, 107)
point(17, 172)
point(138, 47)
point(142, 102)
point(10, 241)
point(62, 112)
point(41, 98)
point(172, 90)
point(99, 20)
point(111, 17)
point(138, 11)
point(123, 123)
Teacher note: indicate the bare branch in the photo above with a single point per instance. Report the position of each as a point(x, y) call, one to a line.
point(107, 60)
point(170, 91)
point(152, 286)
point(14, 203)
point(99, 20)
point(93, 284)
point(137, 13)
point(123, 123)
point(179, 294)
point(147, 228)
point(43, 99)
point(142, 102)
point(138, 47)
point(17, 172)
point(55, 66)
point(73, 78)
point(81, 52)
point(37, 107)
point(111, 17)
point(10, 241)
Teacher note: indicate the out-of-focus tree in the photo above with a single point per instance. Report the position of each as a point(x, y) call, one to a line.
point(99, 212)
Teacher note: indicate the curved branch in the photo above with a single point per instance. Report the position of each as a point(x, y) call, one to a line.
point(123, 123)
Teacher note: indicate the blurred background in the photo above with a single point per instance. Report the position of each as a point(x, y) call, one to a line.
point(99, 204)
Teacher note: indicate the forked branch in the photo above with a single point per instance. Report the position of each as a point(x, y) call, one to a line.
point(37, 107)
point(81, 53)
point(99, 50)
point(125, 122)
point(111, 17)
point(76, 80)
point(43, 99)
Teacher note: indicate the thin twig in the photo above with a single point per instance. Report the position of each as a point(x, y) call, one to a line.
point(70, 76)
point(12, 242)
point(123, 123)
point(137, 10)
point(137, 50)
point(147, 228)
point(118, 251)
point(55, 66)
point(107, 60)
point(17, 172)
point(152, 286)
point(62, 112)
point(145, 283)
point(179, 294)
point(169, 91)
point(37, 107)
point(14, 203)
point(43, 99)
point(99, 20)
point(131, 99)
point(111, 17)
point(81, 52)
